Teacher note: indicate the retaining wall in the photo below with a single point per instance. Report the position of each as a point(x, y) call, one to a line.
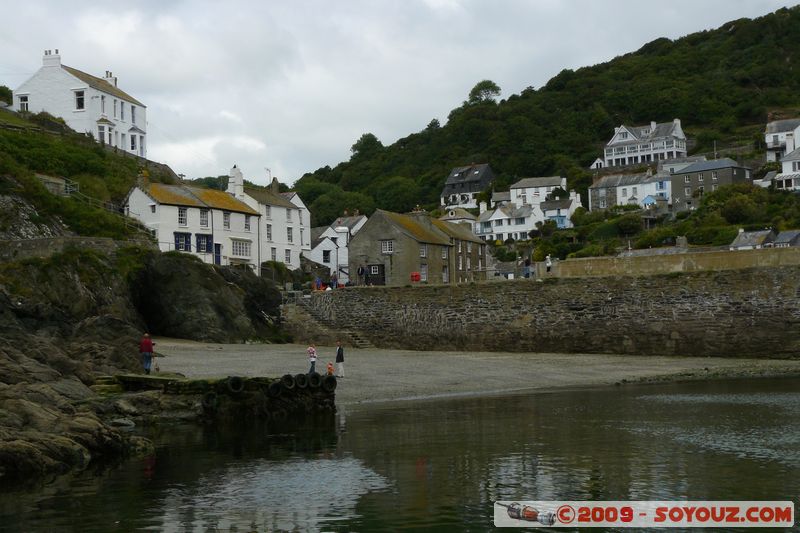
point(749, 312)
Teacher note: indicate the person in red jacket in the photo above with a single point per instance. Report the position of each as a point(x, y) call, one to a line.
point(146, 351)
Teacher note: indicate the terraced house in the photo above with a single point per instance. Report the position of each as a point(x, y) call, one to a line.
point(691, 183)
point(210, 224)
point(88, 104)
point(397, 250)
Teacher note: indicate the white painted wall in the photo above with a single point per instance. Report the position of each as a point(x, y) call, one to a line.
point(52, 89)
point(534, 195)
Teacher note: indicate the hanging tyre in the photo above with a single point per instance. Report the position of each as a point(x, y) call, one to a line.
point(314, 380)
point(301, 381)
point(288, 382)
point(235, 384)
point(329, 383)
point(210, 401)
point(275, 389)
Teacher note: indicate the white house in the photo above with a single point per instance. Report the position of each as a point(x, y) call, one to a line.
point(560, 211)
point(781, 138)
point(535, 190)
point(508, 222)
point(330, 245)
point(632, 145)
point(642, 189)
point(211, 224)
point(284, 226)
point(88, 104)
point(789, 177)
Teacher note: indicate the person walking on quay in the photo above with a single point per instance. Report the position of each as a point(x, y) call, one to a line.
point(146, 352)
point(548, 263)
point(340, 359)
point(312, 357)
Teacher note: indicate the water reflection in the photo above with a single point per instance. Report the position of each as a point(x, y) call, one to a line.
point(440, 465)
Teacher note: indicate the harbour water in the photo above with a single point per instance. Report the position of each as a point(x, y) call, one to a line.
point(439, 465)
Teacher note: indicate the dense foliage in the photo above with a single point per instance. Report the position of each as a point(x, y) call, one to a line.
point(720, 83)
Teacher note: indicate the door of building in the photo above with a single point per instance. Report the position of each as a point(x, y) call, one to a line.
point(375, 275)
point(217, 254)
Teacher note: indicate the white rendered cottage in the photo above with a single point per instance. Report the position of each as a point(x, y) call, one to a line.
point(534, 191)
point(507, 222)
point(789, 178)
point(781, 137)
point(211, 224)
point(330, 245)
point(284, 229)
point(88, 104)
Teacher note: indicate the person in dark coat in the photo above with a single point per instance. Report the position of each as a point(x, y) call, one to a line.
point(339, 359)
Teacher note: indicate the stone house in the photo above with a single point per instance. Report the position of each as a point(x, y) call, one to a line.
point(632, 145)
point(690, 183)
point(641, 189)
point(392, 249)
point(464, 183)
point(88, 104)
point(330, 245)
point(207, 223)
point(780, 137)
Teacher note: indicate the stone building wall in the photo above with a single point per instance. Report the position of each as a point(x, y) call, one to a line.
point(732, 313)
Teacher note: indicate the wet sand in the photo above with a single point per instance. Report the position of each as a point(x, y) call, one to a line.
point(380, 375)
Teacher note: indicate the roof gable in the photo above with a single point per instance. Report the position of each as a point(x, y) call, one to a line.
point(549, 181)
point(267, 197)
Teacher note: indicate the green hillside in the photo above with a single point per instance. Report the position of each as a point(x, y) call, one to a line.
point(721, 84)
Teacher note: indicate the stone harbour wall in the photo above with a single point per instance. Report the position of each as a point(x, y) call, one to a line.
point(732, 313)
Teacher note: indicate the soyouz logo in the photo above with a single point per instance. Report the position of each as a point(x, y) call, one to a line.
point(640, 514)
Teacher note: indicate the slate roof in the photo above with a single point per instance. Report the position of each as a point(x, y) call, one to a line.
point(502, 196)
point(101, 85)
point(549, 181)
point(267, 197)
point(458, 214)
point(781, 126)
point(182, 195)
point(469, 173)
point(414, 228)
point(662, 130)
point(347, 222)
point(792, 156)
point(552, 205)
point(457, 231)
point(714, 164)
point(619, 180)
point(753, 238)
point(788, 237)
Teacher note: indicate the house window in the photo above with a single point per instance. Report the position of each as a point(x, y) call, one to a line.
point(269, 233)
point(498, 222)
point(204, 218)
point(519, 221)
point(373, 270)
point(115, 108)
point(523, 199)
point(387, 247)
point(152, 208)
point(713, 186)
point(247, 222)
point(602, 203)
point(661, 185)
point(459, 262)
point(101, 134)
point(444, 252)
point(301, 236)
point(122, 110)
point(445, 275)
point(459, 246)
point(687, 179)
point(204, 243)
point(700, 177)
point(183, 219)
point(273, 254)
point(423, 272)
point(289, 235)
point(326, 256)
point(133, 143)
point(79, 101)
point(288, 215)
point(268, 211)
point(623, 135)
point(183, 242)
point(624, 192)
point(469, 263)
point(23, 103)
point(700, 190)
point(226, 220)
point(795, 166)
point(687, 191)
point(103, 104)
point(423, 250)
point(633, 193)
point(241, 248)
point(133, 114)
point(288, 256)
point(469, 247)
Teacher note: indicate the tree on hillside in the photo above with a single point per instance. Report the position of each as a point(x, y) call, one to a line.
point(484, 91)
point(6, 95)
point(397, 194)
point(366, 145)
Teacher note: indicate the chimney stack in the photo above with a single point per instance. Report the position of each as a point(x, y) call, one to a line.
point(110, 78)
point(652, 126)
point(482, 207)
point(236, 183)
point(50, 59)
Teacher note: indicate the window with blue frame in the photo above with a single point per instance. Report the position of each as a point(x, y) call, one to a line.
point(183, 242)
point(204, 243)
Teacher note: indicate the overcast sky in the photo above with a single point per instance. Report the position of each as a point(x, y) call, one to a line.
point(290, 86)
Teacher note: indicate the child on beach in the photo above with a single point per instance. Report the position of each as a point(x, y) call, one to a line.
point(330, 368)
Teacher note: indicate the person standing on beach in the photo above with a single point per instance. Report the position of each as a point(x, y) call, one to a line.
point(146, 352)
point(312, 357)
point(339, 359)
point(548, 263)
